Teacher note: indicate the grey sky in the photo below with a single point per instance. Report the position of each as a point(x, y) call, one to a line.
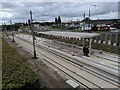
point(19, 11)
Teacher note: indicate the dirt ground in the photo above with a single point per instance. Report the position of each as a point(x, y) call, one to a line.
point(48, 75)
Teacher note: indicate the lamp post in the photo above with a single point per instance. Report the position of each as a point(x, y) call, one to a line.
point(89, 13)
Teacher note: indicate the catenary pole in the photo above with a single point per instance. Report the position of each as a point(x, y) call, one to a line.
point(12, 31)
point(31, 25)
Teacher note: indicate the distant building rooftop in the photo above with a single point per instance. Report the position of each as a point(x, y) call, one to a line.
point(102, 21)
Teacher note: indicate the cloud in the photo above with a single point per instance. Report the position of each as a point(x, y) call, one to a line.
point(7, 5)
point(19, 11)
point(62, 0)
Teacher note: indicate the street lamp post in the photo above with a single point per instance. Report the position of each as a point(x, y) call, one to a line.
point(90, 26)
point(89, 13)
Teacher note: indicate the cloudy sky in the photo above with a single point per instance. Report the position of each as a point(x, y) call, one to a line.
point(18, 11)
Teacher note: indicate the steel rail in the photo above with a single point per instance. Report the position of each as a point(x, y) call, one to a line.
point(71, 61)
point(88, 67)
point(29, 48)
point(95, 55)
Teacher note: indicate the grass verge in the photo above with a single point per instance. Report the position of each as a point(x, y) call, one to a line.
point(0, 63)
point(15, 73)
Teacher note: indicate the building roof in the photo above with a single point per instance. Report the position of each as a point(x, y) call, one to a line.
point(101, 21)
point(71, 34)
point(98, 21)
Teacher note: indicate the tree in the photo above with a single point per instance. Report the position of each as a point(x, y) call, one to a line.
point(28, 22)
point(56, 21)
point(24, 24)
point(59, 20)
point(115, 21)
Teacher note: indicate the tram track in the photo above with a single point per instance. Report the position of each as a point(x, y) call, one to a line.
point(98, 56)
point(46, 59)
point(86, 58)
point(93, 70)
point(63, 57)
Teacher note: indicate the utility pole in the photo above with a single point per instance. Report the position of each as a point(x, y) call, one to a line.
point(84, 22)
point(2, 27)
point(31, 25)
point(12, 31)
point(5, 26)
